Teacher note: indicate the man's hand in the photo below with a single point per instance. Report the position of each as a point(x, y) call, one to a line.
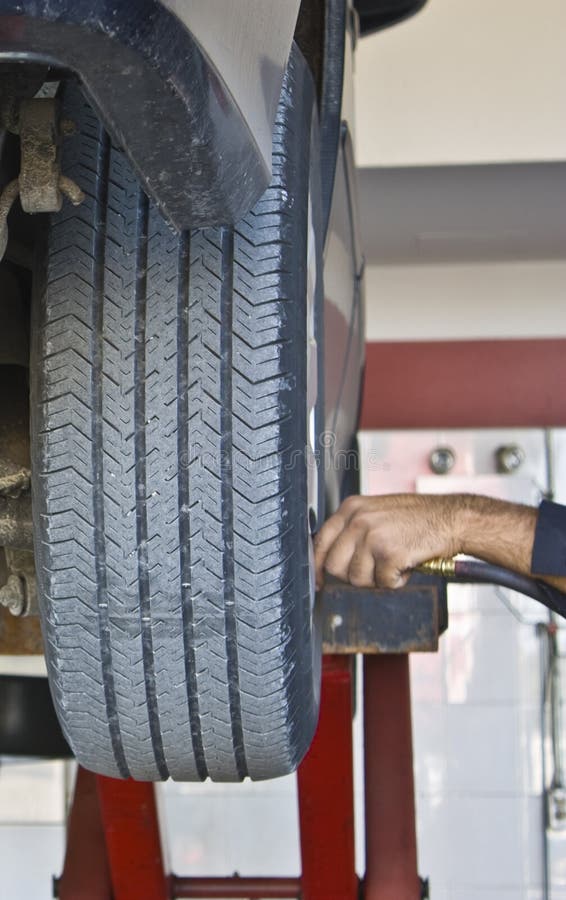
point(377, 541)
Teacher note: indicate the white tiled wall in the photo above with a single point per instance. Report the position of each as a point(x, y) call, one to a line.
point(32, 833)
point(478, 756)
point(216, 829)
point(477, 703)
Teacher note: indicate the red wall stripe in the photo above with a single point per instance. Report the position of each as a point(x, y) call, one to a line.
point(465, 384)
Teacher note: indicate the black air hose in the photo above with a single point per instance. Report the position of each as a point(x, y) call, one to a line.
point(466, 571)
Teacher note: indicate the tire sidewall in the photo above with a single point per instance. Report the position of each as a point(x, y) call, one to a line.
point(304, 179)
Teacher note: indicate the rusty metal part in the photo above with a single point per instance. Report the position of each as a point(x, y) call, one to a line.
point(9, 110)
point(14, 432)
point(16, 529)
point(17, 83)
point(65, 186)
point(7, 198)
point(13, 482)
point(71, 190)
point(40, 143)
point(13, 595)
point(40, 184)
point(15, 472)
point(358, 620)
point(20, 636)
point(20, 590)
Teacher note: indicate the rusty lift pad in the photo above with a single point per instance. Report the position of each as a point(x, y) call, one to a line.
point(360, 620)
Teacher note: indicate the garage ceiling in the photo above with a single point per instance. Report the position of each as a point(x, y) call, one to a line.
point(457, 214)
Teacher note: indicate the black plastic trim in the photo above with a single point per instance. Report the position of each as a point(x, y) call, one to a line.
point(157, 94)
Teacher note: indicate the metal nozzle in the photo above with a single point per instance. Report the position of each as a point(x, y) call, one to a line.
point(444, 567)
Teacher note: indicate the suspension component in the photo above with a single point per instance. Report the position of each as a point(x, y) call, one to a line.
point(19, 593)
point(40, 184)
point(7, 198)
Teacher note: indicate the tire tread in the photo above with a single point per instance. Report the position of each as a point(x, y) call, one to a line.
point(166, 399)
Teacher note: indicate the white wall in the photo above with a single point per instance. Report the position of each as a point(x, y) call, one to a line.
point(467, 301)
point(477, 703)
point(464, 81)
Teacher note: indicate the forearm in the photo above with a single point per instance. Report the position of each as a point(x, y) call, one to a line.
point(499, 532)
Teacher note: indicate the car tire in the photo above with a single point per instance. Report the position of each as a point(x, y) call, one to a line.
point(170, 475)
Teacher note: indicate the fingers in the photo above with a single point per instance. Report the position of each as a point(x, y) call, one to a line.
point(367, 545)
point(331, 531)
point(341, 553)
point(388, 575)
point(361, 572)
point(369, 569)
point(323, 542)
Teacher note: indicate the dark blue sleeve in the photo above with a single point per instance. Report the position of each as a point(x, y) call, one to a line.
point(549, 548)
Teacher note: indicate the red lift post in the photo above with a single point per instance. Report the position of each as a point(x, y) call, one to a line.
point(326, 792)
point(391, 841)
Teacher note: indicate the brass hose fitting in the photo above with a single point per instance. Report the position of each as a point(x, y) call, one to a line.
point(444, 567)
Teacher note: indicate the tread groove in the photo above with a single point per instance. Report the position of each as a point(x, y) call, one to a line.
point(103, 166)
point(140, 307)
point(184, 502)
point(227, 445)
